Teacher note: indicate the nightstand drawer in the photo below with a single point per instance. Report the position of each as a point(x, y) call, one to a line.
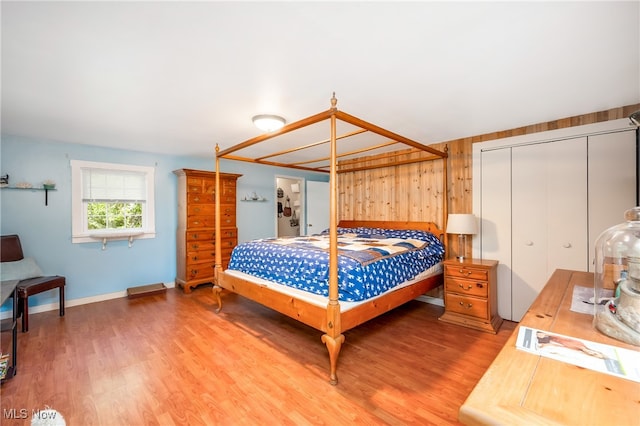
point(464, 286)
point(466, 272)
point(470, 306)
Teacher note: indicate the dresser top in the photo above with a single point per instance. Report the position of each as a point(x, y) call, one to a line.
point(471, 262)
point(203, 173)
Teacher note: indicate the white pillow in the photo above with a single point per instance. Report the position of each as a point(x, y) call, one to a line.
point(20, 269)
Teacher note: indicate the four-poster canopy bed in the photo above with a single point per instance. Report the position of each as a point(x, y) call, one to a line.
point(336, 314)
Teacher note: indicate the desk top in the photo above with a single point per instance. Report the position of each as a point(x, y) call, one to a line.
point(520, 387)
point(6, 289)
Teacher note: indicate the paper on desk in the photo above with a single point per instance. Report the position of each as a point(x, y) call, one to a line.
point(582, 299)
point(599, 357)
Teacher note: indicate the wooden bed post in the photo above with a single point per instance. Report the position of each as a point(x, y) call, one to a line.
point(445, 201)
point(218, 237)
point(333, 338)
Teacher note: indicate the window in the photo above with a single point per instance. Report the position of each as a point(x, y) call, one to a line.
point(114, 201)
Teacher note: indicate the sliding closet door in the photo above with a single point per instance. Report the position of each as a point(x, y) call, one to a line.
point(495, 226)
point(549, 215)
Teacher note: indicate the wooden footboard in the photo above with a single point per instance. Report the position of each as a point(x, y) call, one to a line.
point(376, 307)
point(316, 316)
point(312, 315)
point(320, 317)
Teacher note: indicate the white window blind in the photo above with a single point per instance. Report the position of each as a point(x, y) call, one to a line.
point(113, 185)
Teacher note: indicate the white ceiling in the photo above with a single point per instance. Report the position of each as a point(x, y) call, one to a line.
point(179, 77)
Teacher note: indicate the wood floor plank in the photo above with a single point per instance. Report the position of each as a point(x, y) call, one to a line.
point(169, 359)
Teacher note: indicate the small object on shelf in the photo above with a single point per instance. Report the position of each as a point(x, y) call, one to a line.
point(4, 180)
point(49, 184)
point(253, 197)
point(24, 185)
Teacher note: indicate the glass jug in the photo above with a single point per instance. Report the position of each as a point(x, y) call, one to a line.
point(617, 280)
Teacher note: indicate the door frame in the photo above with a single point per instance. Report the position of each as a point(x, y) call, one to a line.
point(303, 202)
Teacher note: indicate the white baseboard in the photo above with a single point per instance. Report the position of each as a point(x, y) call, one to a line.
point(75, 302)
point(432, 300)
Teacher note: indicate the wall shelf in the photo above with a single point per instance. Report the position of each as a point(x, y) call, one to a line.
point(251, 200)
point(46, 191)
point(106, 236)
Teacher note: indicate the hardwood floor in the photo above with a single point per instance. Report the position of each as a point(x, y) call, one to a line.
point(170, 360)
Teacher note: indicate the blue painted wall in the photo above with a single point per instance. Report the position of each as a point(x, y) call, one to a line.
point(45, 231)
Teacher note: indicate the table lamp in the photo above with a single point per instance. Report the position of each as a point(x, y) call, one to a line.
point(462, 224)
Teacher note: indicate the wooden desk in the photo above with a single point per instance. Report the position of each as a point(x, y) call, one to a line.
point(522, 388)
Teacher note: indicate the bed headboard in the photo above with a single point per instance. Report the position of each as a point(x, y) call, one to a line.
point(386, 224)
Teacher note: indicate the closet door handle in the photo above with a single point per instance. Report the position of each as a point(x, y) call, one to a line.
point(528, 243)
point(566, 245)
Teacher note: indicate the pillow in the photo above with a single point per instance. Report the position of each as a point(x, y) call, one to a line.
point(20, 269)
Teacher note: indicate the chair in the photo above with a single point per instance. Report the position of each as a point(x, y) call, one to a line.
point(11, 251)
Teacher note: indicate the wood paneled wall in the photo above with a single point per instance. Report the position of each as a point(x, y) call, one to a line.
point(410, 192)
point(413, 192)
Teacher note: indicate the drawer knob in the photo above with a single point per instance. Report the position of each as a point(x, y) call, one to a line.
point(462, 271)
point(468, 306)
point(468, 287)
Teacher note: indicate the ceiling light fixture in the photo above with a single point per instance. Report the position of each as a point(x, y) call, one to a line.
point(268, 122)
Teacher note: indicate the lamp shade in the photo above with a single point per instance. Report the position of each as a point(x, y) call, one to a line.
point(465, 224)
point(268, 122)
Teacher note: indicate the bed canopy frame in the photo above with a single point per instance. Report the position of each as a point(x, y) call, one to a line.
point(329, 320)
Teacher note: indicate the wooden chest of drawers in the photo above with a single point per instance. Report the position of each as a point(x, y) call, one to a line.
point(195, 239)
point(470, 294)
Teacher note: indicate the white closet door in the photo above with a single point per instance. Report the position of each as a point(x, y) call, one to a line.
point(568, 213)
point(612, 182)
point(529, 223)
point(495, 226)
point(549, 215)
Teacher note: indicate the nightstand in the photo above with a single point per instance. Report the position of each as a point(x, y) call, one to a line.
point(470, 297)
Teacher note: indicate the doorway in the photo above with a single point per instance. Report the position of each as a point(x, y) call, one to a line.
point(289, 206)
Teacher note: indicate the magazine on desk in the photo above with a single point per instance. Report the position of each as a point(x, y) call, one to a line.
point(606, 359)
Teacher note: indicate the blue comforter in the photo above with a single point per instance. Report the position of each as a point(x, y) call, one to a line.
point(370, 260)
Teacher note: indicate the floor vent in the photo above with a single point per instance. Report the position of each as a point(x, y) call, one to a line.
point(146, 290)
